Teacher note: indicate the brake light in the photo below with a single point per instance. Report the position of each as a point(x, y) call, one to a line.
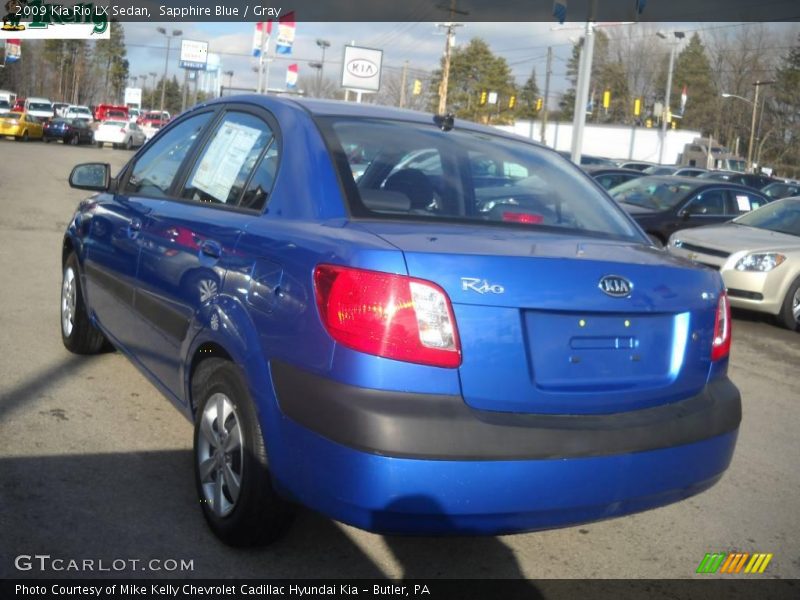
point(528, 218)
point(721, 346)
point(393, 316)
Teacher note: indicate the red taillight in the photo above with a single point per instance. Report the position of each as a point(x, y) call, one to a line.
point(393, 316)
point(721, 346)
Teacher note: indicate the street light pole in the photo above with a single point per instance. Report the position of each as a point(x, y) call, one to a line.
point(754, 103)
point(758, 84)
point(678, 35)
point(324, 44)
point(175, 32)
point(582, 93)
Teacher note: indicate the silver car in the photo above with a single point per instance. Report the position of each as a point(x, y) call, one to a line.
point(758, 255)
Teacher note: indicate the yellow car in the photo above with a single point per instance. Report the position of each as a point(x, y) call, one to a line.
point(22, 126)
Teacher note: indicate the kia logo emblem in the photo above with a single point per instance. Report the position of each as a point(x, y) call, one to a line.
point(615, 286)
point(361, 67)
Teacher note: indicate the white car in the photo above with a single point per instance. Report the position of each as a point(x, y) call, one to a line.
point(39, 107)
point(120, 134)
point(133, 114)
point(79, 112)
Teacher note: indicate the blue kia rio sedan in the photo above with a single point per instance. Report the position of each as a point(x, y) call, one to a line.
point(408, 323)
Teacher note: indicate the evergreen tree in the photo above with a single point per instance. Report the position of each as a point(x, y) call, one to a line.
point(692, 69)
point(528, 96)
point(599, 62)
point(785, 109)
point(473, 70)
point(110, 58)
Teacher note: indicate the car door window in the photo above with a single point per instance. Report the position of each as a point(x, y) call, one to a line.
point(155, 170)
point(710, 203)
point(744, 202)
point(260, 184)
point(223, 167)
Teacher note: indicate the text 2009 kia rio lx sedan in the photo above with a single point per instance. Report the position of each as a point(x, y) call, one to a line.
point(407, 323)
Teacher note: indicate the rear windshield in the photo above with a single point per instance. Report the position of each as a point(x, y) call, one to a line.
point(115, 123)
point(40, 106)
point(402, 170)
point(4, 104)
point(657, 194)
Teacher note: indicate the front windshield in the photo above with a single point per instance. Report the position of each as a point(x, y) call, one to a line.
point(656, 194)
point(736, 165)
point(40, 106)
point(410, 170)
point(782, 216)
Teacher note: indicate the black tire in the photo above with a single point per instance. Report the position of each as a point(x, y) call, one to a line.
point(74, 140)
point(99, 144)
point(47, 140)
point(129, 144)
point(258, 515)
point(83, 337)
point(25, 137)
point(786, 317)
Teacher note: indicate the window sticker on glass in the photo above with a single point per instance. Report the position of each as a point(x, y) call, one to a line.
point(224, 158)
point(744, 203)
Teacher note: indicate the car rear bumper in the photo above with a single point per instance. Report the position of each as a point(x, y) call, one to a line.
point(426, 469)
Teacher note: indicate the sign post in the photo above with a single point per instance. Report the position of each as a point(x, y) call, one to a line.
point(194, 57)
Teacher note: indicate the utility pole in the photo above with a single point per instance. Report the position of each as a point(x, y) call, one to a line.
point(403, 83)
point(546, 92)
point(450, 28)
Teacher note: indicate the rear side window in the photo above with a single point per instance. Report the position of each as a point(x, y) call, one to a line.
point(412, 170)
point(709, 203)
point(155, 170)
point(224, 166)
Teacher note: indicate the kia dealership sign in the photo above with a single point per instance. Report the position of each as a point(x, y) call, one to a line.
point(361, 68)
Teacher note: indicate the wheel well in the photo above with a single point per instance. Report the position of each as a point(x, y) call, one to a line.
point(66, 249)
point(204, 352)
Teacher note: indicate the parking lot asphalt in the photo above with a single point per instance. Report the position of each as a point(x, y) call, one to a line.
point(96, 464)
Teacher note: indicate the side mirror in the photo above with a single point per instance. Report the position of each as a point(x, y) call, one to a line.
point(95, 177)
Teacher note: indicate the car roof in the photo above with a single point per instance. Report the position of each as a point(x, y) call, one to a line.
point(697, 182)
point(338, 108)
point(592, 169)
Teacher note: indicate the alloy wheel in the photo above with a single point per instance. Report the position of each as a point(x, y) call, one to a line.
point(68, 297)
point(220, 454)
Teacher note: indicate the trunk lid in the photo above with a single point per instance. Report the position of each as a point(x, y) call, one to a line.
point(539, 335)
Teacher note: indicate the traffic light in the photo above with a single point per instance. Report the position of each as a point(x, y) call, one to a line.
point(417, 87)
point(637, 107)
point(512, 102)
point(606, 99)
point(539, 103)
point(483, 98)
